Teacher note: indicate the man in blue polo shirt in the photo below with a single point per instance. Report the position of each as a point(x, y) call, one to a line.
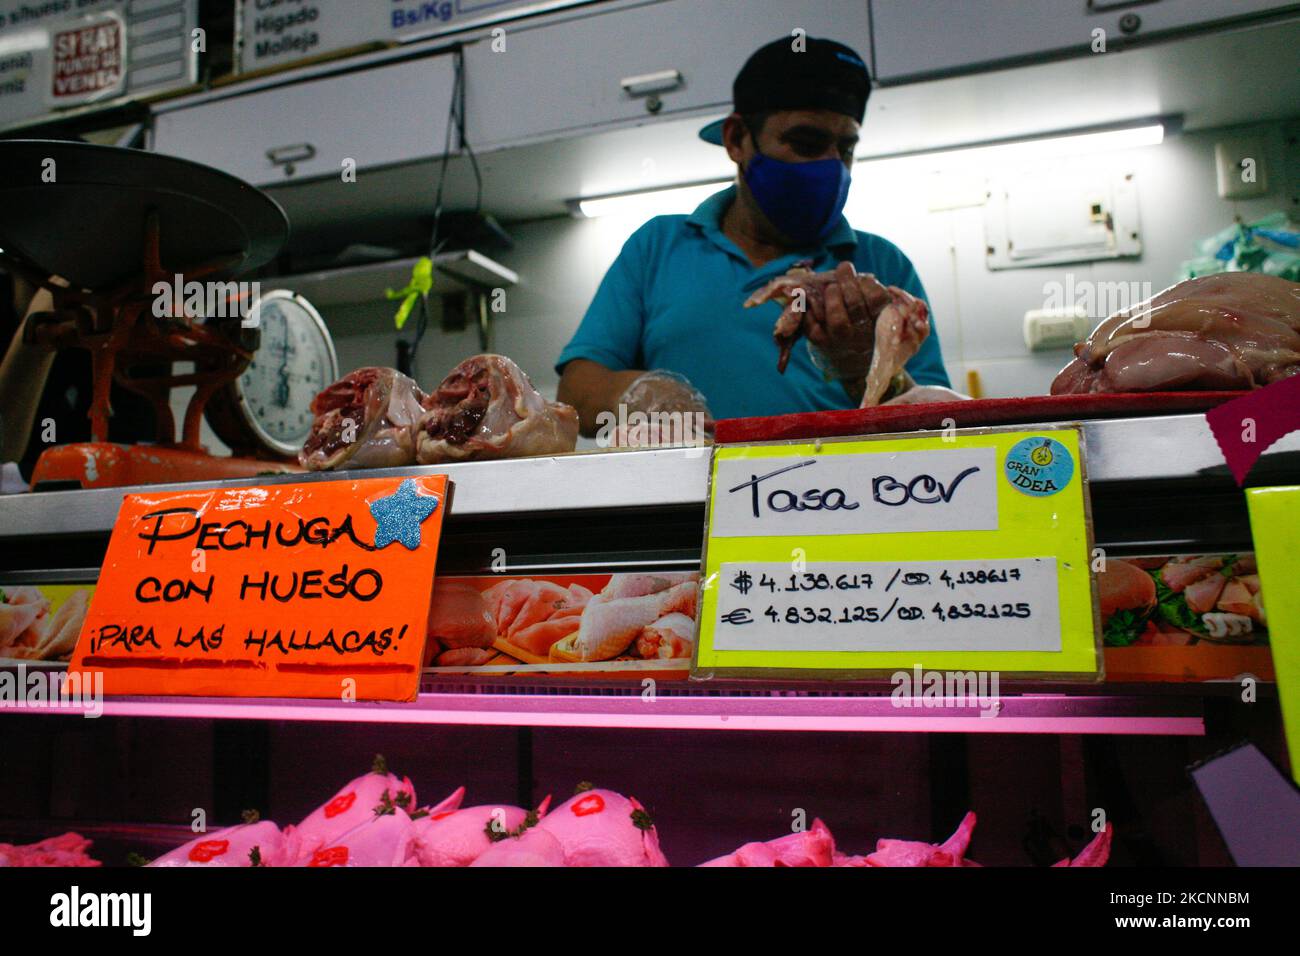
point(673, 299)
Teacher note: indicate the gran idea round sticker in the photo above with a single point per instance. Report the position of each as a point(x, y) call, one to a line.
point(1039, 466)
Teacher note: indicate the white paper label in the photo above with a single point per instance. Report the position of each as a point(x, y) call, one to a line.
point(994, 605)
point(868, 493)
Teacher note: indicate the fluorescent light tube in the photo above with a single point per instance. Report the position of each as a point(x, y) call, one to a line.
point(654, 202)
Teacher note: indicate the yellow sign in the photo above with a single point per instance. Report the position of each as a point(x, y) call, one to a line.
point(1275, 526)
point(952, 552)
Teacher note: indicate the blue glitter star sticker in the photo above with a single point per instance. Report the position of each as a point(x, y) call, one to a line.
point(399, 516)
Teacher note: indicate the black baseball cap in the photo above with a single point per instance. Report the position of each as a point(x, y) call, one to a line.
point(799, 73)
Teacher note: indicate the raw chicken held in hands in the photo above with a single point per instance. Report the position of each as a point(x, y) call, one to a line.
point(364, 420)
point(901, 324)
point(487, 408)
point(1232, 330)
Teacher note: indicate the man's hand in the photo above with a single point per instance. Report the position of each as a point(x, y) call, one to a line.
point(591, 388)
point(842, 326)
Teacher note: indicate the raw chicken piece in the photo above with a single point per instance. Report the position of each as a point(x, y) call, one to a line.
point(487, 408)
point(535, 848)
point(539, 638)
point(459, 837)
point(386, 839)
point(814, 847)
point(672, 637)
point(603, 828)
point(951, 852)
point(23, 614)
point(546, 598)
point(68, 849)
point(799, 293)
point(459, 617)
point(609, 626)
point(354, 804)
point(1096, 853)
point(231, 847)
point(901, 325)
point(374, 407)
point(927, 394)
point(1233, 330)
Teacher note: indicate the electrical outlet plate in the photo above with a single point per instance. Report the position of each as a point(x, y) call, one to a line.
point(1240, 164)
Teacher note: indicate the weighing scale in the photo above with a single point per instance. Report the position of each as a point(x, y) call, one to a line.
point(114, 224)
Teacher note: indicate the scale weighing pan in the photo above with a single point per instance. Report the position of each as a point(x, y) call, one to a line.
point(88, 224)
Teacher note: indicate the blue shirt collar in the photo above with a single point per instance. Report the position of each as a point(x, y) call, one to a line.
point(708, 219)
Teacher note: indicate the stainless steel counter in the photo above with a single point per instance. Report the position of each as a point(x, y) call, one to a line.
point(1171, 449)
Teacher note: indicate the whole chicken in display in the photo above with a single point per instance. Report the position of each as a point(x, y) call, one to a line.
point(902, 321)
point(68, 849)
point(1096, 853)
point(356, 803)
point(487, 408)
point(364, 420)
point(952, 852)
point(533, 847)
point(602, 828)
point(386, 839)
point(252, 843)
point(1233, 330)
point(812, 847)
point(458, 837)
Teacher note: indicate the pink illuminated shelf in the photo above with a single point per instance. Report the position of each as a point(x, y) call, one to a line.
point(1028, 714)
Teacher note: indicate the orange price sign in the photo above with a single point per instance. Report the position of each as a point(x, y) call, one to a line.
point(318, 589)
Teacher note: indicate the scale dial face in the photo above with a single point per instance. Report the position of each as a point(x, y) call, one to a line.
point(294, 361)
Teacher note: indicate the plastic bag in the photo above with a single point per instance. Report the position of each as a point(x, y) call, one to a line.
point(1270, 245)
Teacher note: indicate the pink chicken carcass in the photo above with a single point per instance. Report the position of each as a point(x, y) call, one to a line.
point(364, 420)
point(354, 804)
point(255, 843)
point(902, 322)
point(812, 847)
point(1232, 330)
point(487, 408)
point(1096, 853)
point(532, 848)
point(599, 827)
point(952, 852)
point(459, 837)
point(67, 849)
point(386, 839)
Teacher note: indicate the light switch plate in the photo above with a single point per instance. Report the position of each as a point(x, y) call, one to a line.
point(1240, 164)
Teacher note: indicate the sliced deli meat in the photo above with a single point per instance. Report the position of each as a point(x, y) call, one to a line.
point(487, 408)
point(1233, 330)
point(364, 420)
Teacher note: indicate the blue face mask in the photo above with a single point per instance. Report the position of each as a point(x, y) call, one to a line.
point(803, 200)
